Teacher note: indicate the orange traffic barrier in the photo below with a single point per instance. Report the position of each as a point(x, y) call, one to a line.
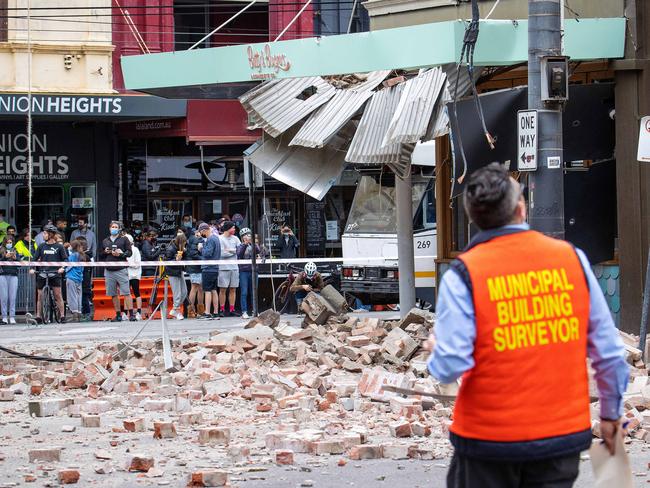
point(103, 304)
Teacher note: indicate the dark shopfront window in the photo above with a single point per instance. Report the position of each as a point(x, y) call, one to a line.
point(168, 178)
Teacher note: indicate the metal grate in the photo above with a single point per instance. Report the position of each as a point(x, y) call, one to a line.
point(26, 299)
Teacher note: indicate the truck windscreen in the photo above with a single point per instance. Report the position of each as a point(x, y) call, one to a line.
point(374, 209)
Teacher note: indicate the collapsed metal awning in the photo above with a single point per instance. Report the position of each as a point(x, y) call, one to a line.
point(396, 118)
point(311, 171)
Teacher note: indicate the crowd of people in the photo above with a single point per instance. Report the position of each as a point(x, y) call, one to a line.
point(212, 289)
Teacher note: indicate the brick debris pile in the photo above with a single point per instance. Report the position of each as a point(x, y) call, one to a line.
point(237, 404)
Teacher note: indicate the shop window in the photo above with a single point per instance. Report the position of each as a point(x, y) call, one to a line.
point(191, 23)
point(47, 203)
point(166, 215)
point(274, 212)
point(83, 202)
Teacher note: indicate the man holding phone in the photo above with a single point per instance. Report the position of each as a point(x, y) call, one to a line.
point(117, 248)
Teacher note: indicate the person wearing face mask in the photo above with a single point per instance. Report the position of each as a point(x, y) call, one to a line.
point(83, 230)
point(117, 248)
point(187, 225)
point(8, 280)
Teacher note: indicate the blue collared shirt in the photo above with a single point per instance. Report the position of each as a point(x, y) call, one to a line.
point(453, 354)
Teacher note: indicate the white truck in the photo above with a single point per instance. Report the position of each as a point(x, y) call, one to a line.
point(371, 232)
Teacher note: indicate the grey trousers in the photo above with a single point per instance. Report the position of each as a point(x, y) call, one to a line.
point(73, 295)
point(179, 290)
point(8, 291)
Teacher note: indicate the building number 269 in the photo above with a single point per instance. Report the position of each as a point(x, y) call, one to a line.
point(423, 244)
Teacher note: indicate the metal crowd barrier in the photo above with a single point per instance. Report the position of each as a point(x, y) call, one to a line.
point(26, 297)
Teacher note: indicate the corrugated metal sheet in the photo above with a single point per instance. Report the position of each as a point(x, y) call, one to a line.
point(311, 171)
point(276, 106)
point(440, 120)
point(366, 146)
point(331, 117)
point(413, 114)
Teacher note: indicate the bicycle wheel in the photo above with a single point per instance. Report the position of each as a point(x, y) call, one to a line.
point(46, 307)
point(282, 297)
point(56, 314)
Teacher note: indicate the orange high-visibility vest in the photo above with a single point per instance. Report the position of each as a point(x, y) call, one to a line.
point(531, 302)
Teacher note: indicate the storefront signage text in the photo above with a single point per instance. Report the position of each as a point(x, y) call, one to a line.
point(168, 219)
point(54, 104)
point(13, 158)
point(265, 64)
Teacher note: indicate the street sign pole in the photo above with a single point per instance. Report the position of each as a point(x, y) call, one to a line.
point(546, 183)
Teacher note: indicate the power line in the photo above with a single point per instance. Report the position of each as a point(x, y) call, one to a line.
point(168, 7)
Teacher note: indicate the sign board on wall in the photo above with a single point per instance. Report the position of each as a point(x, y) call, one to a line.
point(527, 140)
point(315, 228)
point(643, 152)
point(60, 151)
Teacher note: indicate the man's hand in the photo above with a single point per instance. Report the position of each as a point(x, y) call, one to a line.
point(61, 270)
point(609, 429)
point(430, 343)
point(306, 287)
point(32, 271)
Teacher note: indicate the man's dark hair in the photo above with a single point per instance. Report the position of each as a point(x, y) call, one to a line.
point(490, 197)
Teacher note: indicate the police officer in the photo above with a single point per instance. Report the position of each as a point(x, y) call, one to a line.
point(517, 315)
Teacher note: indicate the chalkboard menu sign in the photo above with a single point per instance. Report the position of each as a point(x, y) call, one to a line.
point(166, 215)
point(315, 227)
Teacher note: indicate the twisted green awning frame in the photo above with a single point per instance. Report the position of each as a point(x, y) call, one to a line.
point(500, 43)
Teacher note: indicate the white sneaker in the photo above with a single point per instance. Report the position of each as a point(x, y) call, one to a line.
point(12, 321)
point(125, 317)
point(179, 316)
point(138, 317)
point(172, 313)
point(245, 315)
point(5, 320)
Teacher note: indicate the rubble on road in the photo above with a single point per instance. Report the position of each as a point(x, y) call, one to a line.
point(267, 394)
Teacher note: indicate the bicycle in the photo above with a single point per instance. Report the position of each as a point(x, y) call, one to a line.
point(49, 309)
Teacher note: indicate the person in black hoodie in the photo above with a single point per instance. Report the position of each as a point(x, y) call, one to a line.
point(117, 248)
point(195, 306)
point(176, 251)
point(149, 251)
point(8, 280)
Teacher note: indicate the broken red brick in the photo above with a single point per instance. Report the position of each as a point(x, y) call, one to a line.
point(283, 456)
point(140, 463)
point(164, 430)
point(68, 476)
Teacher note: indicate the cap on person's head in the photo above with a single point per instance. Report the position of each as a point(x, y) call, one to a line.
point(491, 196)
point(203, 226)
point(227, 225)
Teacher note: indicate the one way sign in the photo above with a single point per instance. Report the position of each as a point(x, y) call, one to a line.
point(527, 140)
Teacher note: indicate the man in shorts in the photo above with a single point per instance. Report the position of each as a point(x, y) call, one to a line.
point(116, 248)
point(228, 273)
point(49, 251)
point(210, 250)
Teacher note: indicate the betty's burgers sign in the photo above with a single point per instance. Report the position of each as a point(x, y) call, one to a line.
point(265, 63)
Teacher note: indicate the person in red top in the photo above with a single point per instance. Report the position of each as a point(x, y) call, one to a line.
point(518, 314)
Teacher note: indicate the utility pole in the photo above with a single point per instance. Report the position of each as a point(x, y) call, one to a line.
point(546, 184)
point(405, 253)
point(252, 219)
